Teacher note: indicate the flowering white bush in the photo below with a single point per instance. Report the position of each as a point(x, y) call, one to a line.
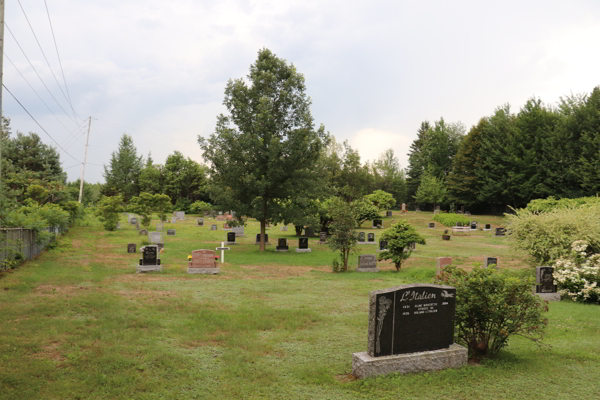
point(579, 275)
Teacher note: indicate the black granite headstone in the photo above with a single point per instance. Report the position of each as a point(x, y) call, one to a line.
point(545, 280)
point(303, 243)
point(500, 232)
point(377, 223)
point(488, 226)
point(371, 238)
point(170, 232)
point(200, 222)
point(361, 237)
point(432, 225)
point(309, 232)
point(258, 238)
point(383, 245)
point(491, 260)
point(388, 213)
point(131, 248)
point(473, 225)
point(282, 244)
point(231, 237)
point(150, 256)
point(411, 318)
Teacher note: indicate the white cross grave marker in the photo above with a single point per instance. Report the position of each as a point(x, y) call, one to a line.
point(223, 248)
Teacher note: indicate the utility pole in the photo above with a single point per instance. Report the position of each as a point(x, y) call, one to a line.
point(1, 81)
point(87, 139)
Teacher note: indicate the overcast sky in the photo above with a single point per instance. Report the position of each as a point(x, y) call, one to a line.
point(375, 70)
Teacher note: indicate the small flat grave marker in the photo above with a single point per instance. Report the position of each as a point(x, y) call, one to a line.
point(282, 245)
point(203, 262)
point(170, 232)
point(367, 263)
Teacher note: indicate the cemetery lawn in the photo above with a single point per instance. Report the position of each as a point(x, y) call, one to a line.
point(79, 323)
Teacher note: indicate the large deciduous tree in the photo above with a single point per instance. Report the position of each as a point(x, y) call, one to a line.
point(263, 153)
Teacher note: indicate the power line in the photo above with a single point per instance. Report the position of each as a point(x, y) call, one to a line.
point(38, 95)
point(45, 58)
point(38, 75)
point(58, 54)
point(72, 166)
point(46, 132)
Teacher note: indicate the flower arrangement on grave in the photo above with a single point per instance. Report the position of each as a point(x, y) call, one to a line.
point(578, 275)
point(189, 258)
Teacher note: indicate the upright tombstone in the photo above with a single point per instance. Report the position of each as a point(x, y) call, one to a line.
point(303, 245)
point(118, 225)
point(173, 220)
point(180, 215)
point(133, 221)
point(203, 262)
point(322, 237)
point(487, 227)
point(238, 230)
point(308, 232)
point(431, 225)
point(170, 232)
point(388, 214)
point(199, 221)
point(220, 217)
point(545, 287)
point(377, 223)
point(442, 262)
point(150, 260)
point(143, 232)
point(361, 238)
point(371, 238)
point(383, 244)
point(226, 227)
point(155, 237)
point(284, 228)
point(403, 206)
point(412, 246)
point(467, 212)
point(490, 261)
point(160, 226)
point(258, 238)
point(282, 245)
point(500, 232)
point(230, 238)
point(411, 329)
point(473, 225)
point(213, 227)
point(131, 248)
point(367, 263)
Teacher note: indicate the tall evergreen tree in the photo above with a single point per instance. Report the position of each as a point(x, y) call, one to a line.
point(123, 172)
point(589, 161)
point(416, 160)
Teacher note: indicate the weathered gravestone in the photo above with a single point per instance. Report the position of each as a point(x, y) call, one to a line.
point(170, 232)
point(282, 245)
point(403, 206)
point(309, 232)
point(118, 225)
point(467, 212)
point(173, 220)
point(371, 238)
point(213, 227)
point(160, 226)
point(133, 221)
point(490, 261)
point(303, 245)
point(199, 221)
point(131, 248)
point(143, 232)
point(179, 215)
point(487, 227)
point(322, 237)
point(226, 227)
point(150, 260)
point(473, 225)
point(137, 225)
point(238, 230)
point(284, 228)
point(442, 262)
point(203, 262)
point(411, 329)
point(500, 232)
point(545, 287)
point(230, 238)
point(367, 263)
point(258, 238)
point(431, 225)
point(361, 238)
point(156, 237)
point(377, 223)
point(221, 217)
point(388, 214)
point(382, 246)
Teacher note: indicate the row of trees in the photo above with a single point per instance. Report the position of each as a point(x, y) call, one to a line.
point(508, 158)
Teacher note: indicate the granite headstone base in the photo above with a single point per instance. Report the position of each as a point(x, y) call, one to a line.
point(369, 269)
point(548, 296)
point(365, 366)
point(149, 268)
point(212, 271)
point(303, 250)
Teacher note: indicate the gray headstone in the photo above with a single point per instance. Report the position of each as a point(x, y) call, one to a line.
point(367, 263)
point(143, 231)
point(156, 237)
point(388, 214)
point(284, 228)
point(213, 227)
point(160, 226)
point(238, 230)
point(199, 221)
point(173, 220)
point(171, 232)
point(131, 248)
point(133, 221)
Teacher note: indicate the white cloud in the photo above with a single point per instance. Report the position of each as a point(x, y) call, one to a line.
point(371, 143)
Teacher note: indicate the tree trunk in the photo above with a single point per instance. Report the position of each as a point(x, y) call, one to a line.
point(262, 234)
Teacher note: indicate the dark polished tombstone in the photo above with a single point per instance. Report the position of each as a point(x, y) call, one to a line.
point(213, 227)
point(200, 222)
point(282, 245)
point(500, 232)
point(131, 248)
point(378, 223)
point(371, 238)
point(545, 280)
point(171, 232)
point(149, 260)
point(143, 232)
point(388, 213)
point(490, 261)
point(431, 225)
point(133, 221)
point(411, 318)
point(303, 243)
point(258, 238)
point(473, 225)
point(488, 227)
point(361, 238)
point(309, 232)
point(230, 237)
point(383, 245)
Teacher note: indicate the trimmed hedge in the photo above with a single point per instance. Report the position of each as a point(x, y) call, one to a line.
point(451, 219)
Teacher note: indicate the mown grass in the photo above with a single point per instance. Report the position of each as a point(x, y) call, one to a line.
point(79, 323)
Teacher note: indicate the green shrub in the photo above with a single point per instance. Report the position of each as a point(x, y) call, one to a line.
point(539, 206)
point(578, 276)
point(548, 236)
point(199, 207)
point(108, 211)
point(490, 307)
point(399, 237)
point(451, 219)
